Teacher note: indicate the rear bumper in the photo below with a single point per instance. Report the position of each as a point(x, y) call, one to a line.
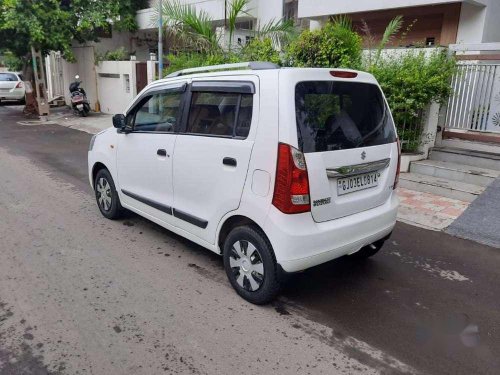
point(14, 94)
point(300, 243)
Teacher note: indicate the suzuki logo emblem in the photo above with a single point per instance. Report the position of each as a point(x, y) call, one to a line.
point(363, 155)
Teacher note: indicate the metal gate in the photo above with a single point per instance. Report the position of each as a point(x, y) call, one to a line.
point(54, 70)
point(475, 102)
point(141, 76)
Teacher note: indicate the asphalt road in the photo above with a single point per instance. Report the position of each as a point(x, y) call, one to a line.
point(83, 295)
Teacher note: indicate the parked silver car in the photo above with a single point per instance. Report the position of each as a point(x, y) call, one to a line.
point(12, 87)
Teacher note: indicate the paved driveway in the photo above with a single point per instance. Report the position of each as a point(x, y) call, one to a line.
point(83, 295)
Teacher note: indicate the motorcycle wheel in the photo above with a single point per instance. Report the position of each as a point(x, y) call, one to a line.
point(86, 110)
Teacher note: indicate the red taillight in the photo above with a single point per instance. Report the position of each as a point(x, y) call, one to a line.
point(343, 74)
point(396, 180)
point(291, 188)
point(19, 85)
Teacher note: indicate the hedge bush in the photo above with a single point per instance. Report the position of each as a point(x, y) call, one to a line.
point(335, 45)
point(260, 50)
point(185, 60)
point(411, 81)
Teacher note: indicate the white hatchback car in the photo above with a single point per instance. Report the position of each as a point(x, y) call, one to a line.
point(12, 87)
point(276, 169)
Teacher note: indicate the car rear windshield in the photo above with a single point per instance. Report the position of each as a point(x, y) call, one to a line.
point(334, 115)
point(8, 77)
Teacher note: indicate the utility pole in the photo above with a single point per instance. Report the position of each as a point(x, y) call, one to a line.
point(160, 40)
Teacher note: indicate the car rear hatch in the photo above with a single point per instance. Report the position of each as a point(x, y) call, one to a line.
point(8, 81)
point(345, 130)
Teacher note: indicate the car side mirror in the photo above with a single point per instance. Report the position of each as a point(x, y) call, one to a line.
point(119, 121)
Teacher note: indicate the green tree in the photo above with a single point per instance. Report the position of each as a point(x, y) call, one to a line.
point(54, 24)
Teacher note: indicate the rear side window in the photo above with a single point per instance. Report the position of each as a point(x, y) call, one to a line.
point(335, 115)
point(8, 77)
point(220, 114)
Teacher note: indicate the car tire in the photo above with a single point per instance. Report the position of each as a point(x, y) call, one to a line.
point(106, 195)
point(250, 265)
point(368, 251)
point(22, 101)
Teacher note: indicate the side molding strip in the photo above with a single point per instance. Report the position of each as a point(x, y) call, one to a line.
point(149, 202)
point(190, 219)
point(169, 210)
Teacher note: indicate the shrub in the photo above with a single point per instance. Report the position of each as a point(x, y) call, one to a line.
point(119, 54)
point(411, 81)
point(256, 50)
point(336, 45)
point(185, 60)
point(261, 50)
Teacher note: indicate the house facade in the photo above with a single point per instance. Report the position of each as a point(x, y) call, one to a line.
point(439, 22)
point(432, 23)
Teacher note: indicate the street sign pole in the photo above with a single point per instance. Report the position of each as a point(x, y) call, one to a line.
point(160, 40)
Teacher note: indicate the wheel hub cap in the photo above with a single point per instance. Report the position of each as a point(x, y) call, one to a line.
point(246, 263)
point(103, 192)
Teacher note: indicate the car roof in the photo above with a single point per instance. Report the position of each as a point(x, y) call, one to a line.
point(361, 76)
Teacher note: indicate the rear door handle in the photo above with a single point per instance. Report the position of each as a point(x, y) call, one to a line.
point(161, 152)
point(229, 161)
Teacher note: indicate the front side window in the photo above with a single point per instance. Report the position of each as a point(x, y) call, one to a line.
point(158, 113)
point(334, 115)
point(220, 114)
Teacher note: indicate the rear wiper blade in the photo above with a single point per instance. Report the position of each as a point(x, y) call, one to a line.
point(382, 122)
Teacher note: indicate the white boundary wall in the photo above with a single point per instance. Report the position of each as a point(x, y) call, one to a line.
point(116, 81)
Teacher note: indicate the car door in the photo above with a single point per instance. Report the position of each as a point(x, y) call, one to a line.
point(144, 155)
point(212, 152)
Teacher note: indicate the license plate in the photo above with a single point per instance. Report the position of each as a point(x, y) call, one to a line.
point(355, 183)
point(79, 106)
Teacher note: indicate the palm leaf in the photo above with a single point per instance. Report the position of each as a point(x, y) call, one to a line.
point(185, 21)
point(236, 9)
point(392, 29)
point(343, 21)
point(279, 31)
